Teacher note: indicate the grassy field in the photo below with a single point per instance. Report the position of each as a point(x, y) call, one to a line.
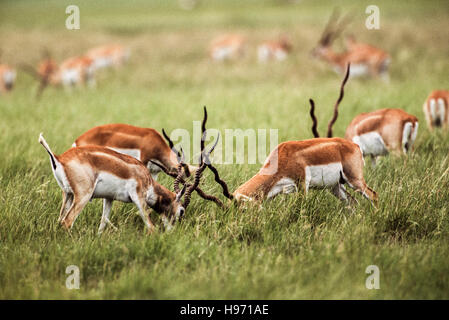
point(293, 248)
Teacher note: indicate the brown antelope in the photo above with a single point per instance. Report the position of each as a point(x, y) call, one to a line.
point(144, 144)
point(274, 50)
point(364, 59)
point(7, 78)
point(313, 163)
point(88, 172)
point(71, 72)
point(108, 55)
point(436, 109)
point(318, 163)
point(226, 47)
point(383, 131)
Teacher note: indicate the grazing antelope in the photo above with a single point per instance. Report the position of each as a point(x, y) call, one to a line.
point(318, 163)
point(144, 144)
point(383, 131)
point(108, 55)
point(71, 72)
point(88, 172)
point(436, 109)
point(226, 47)
point(274, 50)
point(7, 78)
point(366, 60)
point(314, 163)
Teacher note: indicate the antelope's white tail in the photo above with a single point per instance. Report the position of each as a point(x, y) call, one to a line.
point(46, 146)
point(409, 133)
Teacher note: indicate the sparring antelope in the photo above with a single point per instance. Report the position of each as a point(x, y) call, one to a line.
point(226, 47)
point(436, 109)
point(108, 56)
point(88, 172)
point(144, 144)
point(383, 131)
point(366, 60)
point(7, 78)
point(71, 72)
point(314, 163)
point(274, 50)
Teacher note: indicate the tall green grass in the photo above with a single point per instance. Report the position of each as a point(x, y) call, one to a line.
point(293, 247)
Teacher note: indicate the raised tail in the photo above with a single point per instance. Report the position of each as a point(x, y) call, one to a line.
point(46, 146)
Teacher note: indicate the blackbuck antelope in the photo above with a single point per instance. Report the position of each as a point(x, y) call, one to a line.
point(144, 144)
point(7, 78)
point(317, 163)
point(71, 72)
point(436, 109)
point(88, 172)
point(383, 131)
point(274, 50)
point(227, 47)
point(314, 163)
point(365, 60)
point(108, 56)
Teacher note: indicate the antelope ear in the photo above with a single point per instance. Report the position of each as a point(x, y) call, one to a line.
point(181, 193)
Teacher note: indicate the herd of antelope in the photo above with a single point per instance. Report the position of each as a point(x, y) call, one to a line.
point(71, 72)
point(122, 162)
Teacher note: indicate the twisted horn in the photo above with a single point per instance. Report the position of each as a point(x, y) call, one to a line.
point(315, 122)
point(340, 98)
point(179, 173)
point(200, 192)
point(178, 155)
point(198, 174)
point(223, 184)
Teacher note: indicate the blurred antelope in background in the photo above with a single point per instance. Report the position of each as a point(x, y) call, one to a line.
point(88, 172)
point(436, 109)
point(7, 77)
point(365, 60)
point(274, 50)
point(108, 56)
point(227, 47)
point(71, 72)
point(383, 131)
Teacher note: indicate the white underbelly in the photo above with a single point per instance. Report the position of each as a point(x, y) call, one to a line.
point(112, 187)
point(135, 153)
point(9, 77)
point(323, 175)
point(371, 143)
point(358, 70)
point(223, 53)
point(70, 77)
point(101, 63)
